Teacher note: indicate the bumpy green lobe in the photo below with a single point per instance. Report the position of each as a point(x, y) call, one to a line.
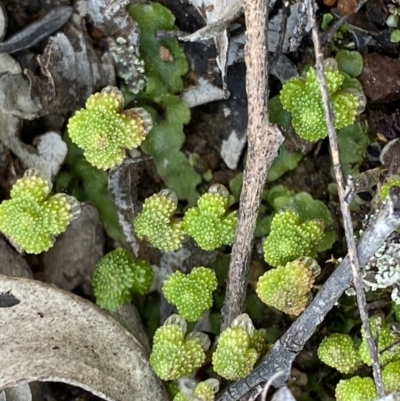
point(156, 225)
point(356, 389)
point(286, 288)
point(143, 277)
point(338, 351)
point(258, 341)
point(31, 219)
point(289, 238)
point(191, 293)
point(302, 98)
point(385, 339)
point(104, 132)
point(234, 358)
point(89, 184)
point(173, 356)
point(349, 62)
point(210, 224)
point(391, 377)
point(202, 390)
point(387, 185)
point(117, 276)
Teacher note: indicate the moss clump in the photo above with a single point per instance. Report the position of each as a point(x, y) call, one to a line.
point(236, 353)
point(338, 351)
point(210, 224)
point(104, 131)
point(387, 340)
point(203, 391)
point(191, 293)
point(356, 389)
point(287, 288)
point(290, 239)
point(173, 355)
point(156, 224)
point(32, 219)
point(117, 276)
point(391, 377)
point(89, 184)
point(302, 98)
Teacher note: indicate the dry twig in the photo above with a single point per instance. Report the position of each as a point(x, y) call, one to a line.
point(344, 205)
point(336, 26)
point(263, 140)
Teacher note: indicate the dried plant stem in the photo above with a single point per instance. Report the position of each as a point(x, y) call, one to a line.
point(336, 26)
point(344, 206)
point(263, 140)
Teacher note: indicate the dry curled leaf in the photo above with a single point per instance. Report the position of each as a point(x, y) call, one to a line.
point(51, 335)
point(48, 155)
point(18, 393)
point(70, 262)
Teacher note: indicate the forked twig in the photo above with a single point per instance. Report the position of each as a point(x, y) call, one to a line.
point(263, 141)
point(344, 205)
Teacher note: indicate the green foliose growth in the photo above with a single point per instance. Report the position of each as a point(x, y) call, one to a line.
point(117, 276)
point(353, 141)
point(104, 131)
point(191, 293)
point(156, 223)
point(210, 224)
point(165, 61)
point(388, 343)
point(391, 182)
point(236, 353)
point(349, 62)
point(313, 209)
point(356, 389)
point(280, 197)
point(287, 288)
point(165, 64)
point(32, 219)
point(391, 377)
point(173, 355)
point(290, 238)
point(339, 352)
point(164, 143)
point(302, 98)
point(203, 391)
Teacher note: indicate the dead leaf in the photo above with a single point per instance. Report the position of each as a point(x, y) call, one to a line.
point(52, 335)
point(283, 394)
point(12, 263)
point(218, 15)
point(18, 393)
point(50, 149)
point(70, 262)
